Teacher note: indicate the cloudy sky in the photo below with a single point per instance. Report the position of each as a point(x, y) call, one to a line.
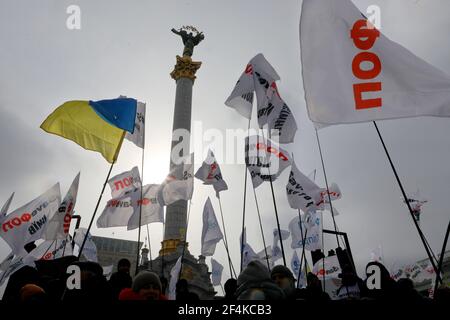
point(126, 48)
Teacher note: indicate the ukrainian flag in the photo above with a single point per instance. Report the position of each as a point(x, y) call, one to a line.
point(93, 128)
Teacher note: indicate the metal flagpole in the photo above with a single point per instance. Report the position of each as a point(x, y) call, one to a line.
point(276, 212)
point(422, 236)
point(243, 207)
point(441, 258)
point(303, 243)
point(140, 210)
point(262, 231)
point(95, 210)
point(225, 242)
point(301, 259)
point(328, 190)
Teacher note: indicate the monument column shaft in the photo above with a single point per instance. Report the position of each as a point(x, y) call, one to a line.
point(176, 213)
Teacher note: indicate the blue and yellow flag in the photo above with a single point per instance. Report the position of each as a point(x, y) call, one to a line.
point(77, 121)
point(120, 112)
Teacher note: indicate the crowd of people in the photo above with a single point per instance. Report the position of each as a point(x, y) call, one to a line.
point(255, 282)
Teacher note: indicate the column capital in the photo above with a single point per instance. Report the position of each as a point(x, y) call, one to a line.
point(185, 68)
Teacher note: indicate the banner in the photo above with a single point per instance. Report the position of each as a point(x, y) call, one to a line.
point(369, 76)
point(174, 274)
point(332, 268)
point(5, 207)
point(179, 184)
point(241, 98)
point(59, 225)
point(216, 272)
point(138, 136)
point(265, 161)
point(210, 173)
point(125, 182)
point(90, 249)
point(211, 233)
point(28, 223)
point(152, 211)
point(313, 240)
point(302, 193)
point(52, 249)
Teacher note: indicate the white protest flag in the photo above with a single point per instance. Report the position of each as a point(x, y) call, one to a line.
point(332, 268)
point(210, 173)
point(17, 263)
point(5, 207)
point(118, 211)
point(241, 98)
point(152, 211)
point(138, 135)
point(28, 223)
point(52, 249)
point(211, 233)
point(216, 272)
point(376, 254)
point(302, 193)
point(248, 255)
point(369, 77)
point(295, 264)
point(174, 274)
point(90, 249)
point(264, 254)
point(276, 235)
point(125, 182)
point(179, 184)
point(59, 224)
point(108, 270)
point(311, 231)
point(335, 194)
point(6, 262)
point(278, 117)
point(265, 160)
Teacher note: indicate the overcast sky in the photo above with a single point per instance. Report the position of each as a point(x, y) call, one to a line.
point(127, 48)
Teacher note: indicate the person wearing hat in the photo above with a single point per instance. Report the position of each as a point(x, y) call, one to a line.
point(285, 280)
point(146, 286)
point(254, 283)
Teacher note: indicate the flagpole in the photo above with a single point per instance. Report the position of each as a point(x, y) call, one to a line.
point(162, 255)
point(441, 258)
point(301, 259)
point(149, 248)
point(222, 289)
point(323, 252)
point(140, 211)
point(303, 243)
point(276, 212)
point(262, 231)
point(422, 236)
point(95, 211)
point(328, 190)
point(230, 263)
point(243, 207)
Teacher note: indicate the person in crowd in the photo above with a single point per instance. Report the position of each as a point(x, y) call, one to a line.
point(352, 287)
point(121, 279)
point(31, 293)
point(146, 286)
point(230, 289)
point(94, 286)
point(284, 279)
point(183, 293)
point(406, 291)
point(254, 283)
point(388, 286)
point(313, 290)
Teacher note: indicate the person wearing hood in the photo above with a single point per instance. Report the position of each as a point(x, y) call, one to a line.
point(254, 283)
point(352, 288)
point(121, 279)
point(284, 279)
point(146, 286)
